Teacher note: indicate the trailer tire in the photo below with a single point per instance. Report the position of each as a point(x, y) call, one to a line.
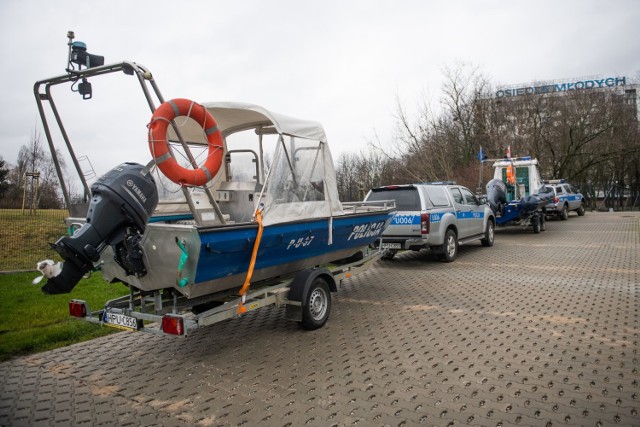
point(536, 227)
point(317, 305)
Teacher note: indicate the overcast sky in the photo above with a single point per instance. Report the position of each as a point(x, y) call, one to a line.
point(342, 63)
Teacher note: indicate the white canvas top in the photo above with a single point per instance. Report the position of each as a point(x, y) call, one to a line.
point(232, 116)
point(301, 182)
point(235, 116)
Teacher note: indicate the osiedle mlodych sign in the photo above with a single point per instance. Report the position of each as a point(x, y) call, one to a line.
point(595, 83)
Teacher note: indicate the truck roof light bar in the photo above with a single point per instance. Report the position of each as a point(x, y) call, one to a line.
point(449, 182)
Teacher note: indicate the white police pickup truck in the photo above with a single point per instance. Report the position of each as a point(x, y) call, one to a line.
point(436, 216)
point(566, 198)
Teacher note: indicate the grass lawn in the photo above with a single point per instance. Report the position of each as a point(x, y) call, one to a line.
point(32, 322)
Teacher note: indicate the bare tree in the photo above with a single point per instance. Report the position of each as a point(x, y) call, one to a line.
point(589, 136)
point(463, 88)
point(4, 177)
point(32, 158)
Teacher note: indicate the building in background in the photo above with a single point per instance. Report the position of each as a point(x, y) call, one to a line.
point(582, 129)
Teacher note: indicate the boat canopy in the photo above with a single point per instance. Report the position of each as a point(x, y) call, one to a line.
point(301, 180)
point(235, 116)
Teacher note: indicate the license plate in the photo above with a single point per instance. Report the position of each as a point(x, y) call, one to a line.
point(121, 321)
point(391, 246)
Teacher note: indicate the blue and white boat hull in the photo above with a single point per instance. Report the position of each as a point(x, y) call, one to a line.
point(217, 258)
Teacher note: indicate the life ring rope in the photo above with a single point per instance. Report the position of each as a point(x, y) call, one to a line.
point(160, 149)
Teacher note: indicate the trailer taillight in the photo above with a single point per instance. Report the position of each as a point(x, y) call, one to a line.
point(173, 325)
point(424, 223)
point(77, 308)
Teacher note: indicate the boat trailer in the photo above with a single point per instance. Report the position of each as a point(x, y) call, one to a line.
point(305, 294)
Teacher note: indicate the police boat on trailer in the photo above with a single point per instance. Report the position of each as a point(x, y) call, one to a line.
point(260, 200)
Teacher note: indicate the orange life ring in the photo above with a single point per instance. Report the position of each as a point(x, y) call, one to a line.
point(511, 178)
point(159, 146)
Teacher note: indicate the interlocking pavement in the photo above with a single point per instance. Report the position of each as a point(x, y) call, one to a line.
point(541, 329)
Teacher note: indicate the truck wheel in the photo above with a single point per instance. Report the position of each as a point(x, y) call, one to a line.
point(450, 246)
point(581, 210)
point(565, 213)
point(316, 307)
point(489, 235)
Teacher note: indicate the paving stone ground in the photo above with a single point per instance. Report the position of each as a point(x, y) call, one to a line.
point(538, 330)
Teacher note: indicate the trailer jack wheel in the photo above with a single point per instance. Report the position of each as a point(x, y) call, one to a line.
point(317, 305)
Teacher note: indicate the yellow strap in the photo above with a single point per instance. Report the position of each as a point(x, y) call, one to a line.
point(252, 264)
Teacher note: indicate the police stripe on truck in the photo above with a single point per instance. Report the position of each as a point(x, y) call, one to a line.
point(433, 217)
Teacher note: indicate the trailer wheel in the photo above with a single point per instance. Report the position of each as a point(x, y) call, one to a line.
point(317, 306)
point(535, 223)
point(536, 227)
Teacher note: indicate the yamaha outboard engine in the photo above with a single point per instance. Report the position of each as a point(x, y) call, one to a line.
point(121, 203)
point(496, 194)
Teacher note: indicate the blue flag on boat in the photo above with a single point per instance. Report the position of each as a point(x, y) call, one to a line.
point(481, 155)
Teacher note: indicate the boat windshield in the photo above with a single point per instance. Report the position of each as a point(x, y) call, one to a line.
point(300, 183)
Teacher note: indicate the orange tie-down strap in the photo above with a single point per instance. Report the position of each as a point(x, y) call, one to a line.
point(254, 254)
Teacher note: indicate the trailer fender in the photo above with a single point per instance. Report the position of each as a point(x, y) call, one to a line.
point(299, 290)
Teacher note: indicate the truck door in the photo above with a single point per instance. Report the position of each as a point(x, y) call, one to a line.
point(561, 195)
point(475, 217)
point(572, 197)
point(462, 212)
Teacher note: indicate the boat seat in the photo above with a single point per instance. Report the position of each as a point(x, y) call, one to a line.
point(236, 198)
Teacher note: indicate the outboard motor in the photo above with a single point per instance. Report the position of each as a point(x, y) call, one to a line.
point(121, 203)
point(496, 194)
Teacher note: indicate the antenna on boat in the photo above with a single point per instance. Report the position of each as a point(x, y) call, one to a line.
point(78, 55)
point(70, 35)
